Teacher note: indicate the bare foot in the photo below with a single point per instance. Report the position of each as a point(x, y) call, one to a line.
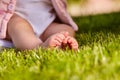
point(70, 42)
point(61, 40)
point(54, 41)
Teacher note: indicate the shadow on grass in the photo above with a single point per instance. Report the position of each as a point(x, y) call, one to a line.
point(104, 22)
point(100, 29)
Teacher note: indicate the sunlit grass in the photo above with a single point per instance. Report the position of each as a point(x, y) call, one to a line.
point(98, 57)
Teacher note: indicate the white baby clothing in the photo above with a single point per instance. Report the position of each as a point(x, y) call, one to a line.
point(39, 13)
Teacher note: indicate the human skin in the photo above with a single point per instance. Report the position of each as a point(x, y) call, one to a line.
point(23, 37)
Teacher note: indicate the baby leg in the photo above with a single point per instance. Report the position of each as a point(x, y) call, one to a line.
point(63, 29)
point(22, 34)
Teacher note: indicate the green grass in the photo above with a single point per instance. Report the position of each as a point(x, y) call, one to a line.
point(98, 57)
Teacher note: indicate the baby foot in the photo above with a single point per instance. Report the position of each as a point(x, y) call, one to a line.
point(70, 42)
point(54, 41)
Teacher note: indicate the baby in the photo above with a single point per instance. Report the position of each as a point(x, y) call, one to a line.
point(41, 23)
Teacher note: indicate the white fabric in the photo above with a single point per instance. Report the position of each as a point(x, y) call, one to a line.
point(37, 12)
point(4, 43)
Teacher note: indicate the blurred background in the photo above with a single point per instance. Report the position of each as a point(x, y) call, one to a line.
point(92, 7)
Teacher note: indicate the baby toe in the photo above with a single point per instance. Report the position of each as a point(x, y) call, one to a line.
point(72, 43)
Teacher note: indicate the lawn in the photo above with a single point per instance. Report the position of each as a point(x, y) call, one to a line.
point(98, 57)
